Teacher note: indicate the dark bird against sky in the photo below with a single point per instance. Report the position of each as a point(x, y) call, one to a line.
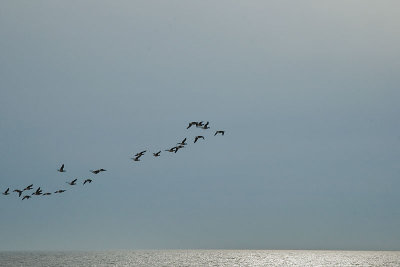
point(61, 169)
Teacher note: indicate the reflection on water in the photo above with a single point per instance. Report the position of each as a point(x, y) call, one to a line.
point(203, 258)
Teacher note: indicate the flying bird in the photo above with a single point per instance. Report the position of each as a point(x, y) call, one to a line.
point(87, 181)
point(61, 169)
point(38, 192)
point(178, 147)
point(46, 194)
point(219, 132)
point(157, 154)
point(191, 124)
point(6, 192)
point(199, 124)
point(29, 187)
point(26, 197)
point(19, 192)
point(97, 171)
point(172, 149)
point(198, 137)
point(140, 153)
point(59, 191)
point(136, 158)
point(72, 182)
point(205, 127)
point(183, 142)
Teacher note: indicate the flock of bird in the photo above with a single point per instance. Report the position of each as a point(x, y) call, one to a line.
point(39, 191)
point(24, 193)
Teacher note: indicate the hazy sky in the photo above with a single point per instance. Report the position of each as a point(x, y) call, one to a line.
point(307, 91)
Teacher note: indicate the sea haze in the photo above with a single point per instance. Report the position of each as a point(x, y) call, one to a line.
point(203, 258)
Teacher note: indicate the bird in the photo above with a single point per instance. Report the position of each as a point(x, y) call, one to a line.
point(97, 171)
point(219, 132)
point(141, 153)
point(37, 192)
point(157, 154)
point(198, 137)
point(205, 127)
point(136, 158)
point(61, 169)
point(87, 181)
point(191, 124)
point(26, 197)
point(72, 182)
point(172, 149)
point(59, 191)
point(178, 147)
point(199, 124)
point(46, 194)
point(19, 192)
point(29, 187)
point(6, 192)
point(183, 142)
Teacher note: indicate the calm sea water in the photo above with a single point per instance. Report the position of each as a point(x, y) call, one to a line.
point(203, 258)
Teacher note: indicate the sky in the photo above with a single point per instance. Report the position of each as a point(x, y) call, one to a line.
point(307, 92)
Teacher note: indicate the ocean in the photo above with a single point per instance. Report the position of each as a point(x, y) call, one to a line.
point(203, 258)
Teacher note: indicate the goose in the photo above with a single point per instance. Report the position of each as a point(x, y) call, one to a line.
point(59, 191)
point(219, 132)
point(6, 192)
point(37, 192)
point(97, 171)
point(72, 182)
point(46, 194)
point(178, 147)
point(61, 169)
point(26, 197)
point(157, 154)
point(19, 192)
point(205, 127)
point(29, 187)
point(183, 142)
point(87, 181)
point(199, 124)
point(137, 158)
point(172, 149)
point(198, 137)
point(141, 153)
point(191, 124)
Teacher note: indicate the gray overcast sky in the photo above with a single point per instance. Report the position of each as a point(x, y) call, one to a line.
point(307, 91)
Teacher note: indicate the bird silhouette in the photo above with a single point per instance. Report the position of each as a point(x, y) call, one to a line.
point(136, 158)
point(46, 194)
point(141, 153)
point(18, 191)
point(6, 192)
point(198, 137)
point(59, 191)
point(37, 192)
point(199, 124)
point(73, 182)
point(29, 187)
point(26, 197)
point(97, 171)
point(178, 147)
point(61, 169)
point(219, 132)
point(205, 127)
point(157, 154)
point(191, 124)
point(172, 149)
point(87, 181)
point(183, 142)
